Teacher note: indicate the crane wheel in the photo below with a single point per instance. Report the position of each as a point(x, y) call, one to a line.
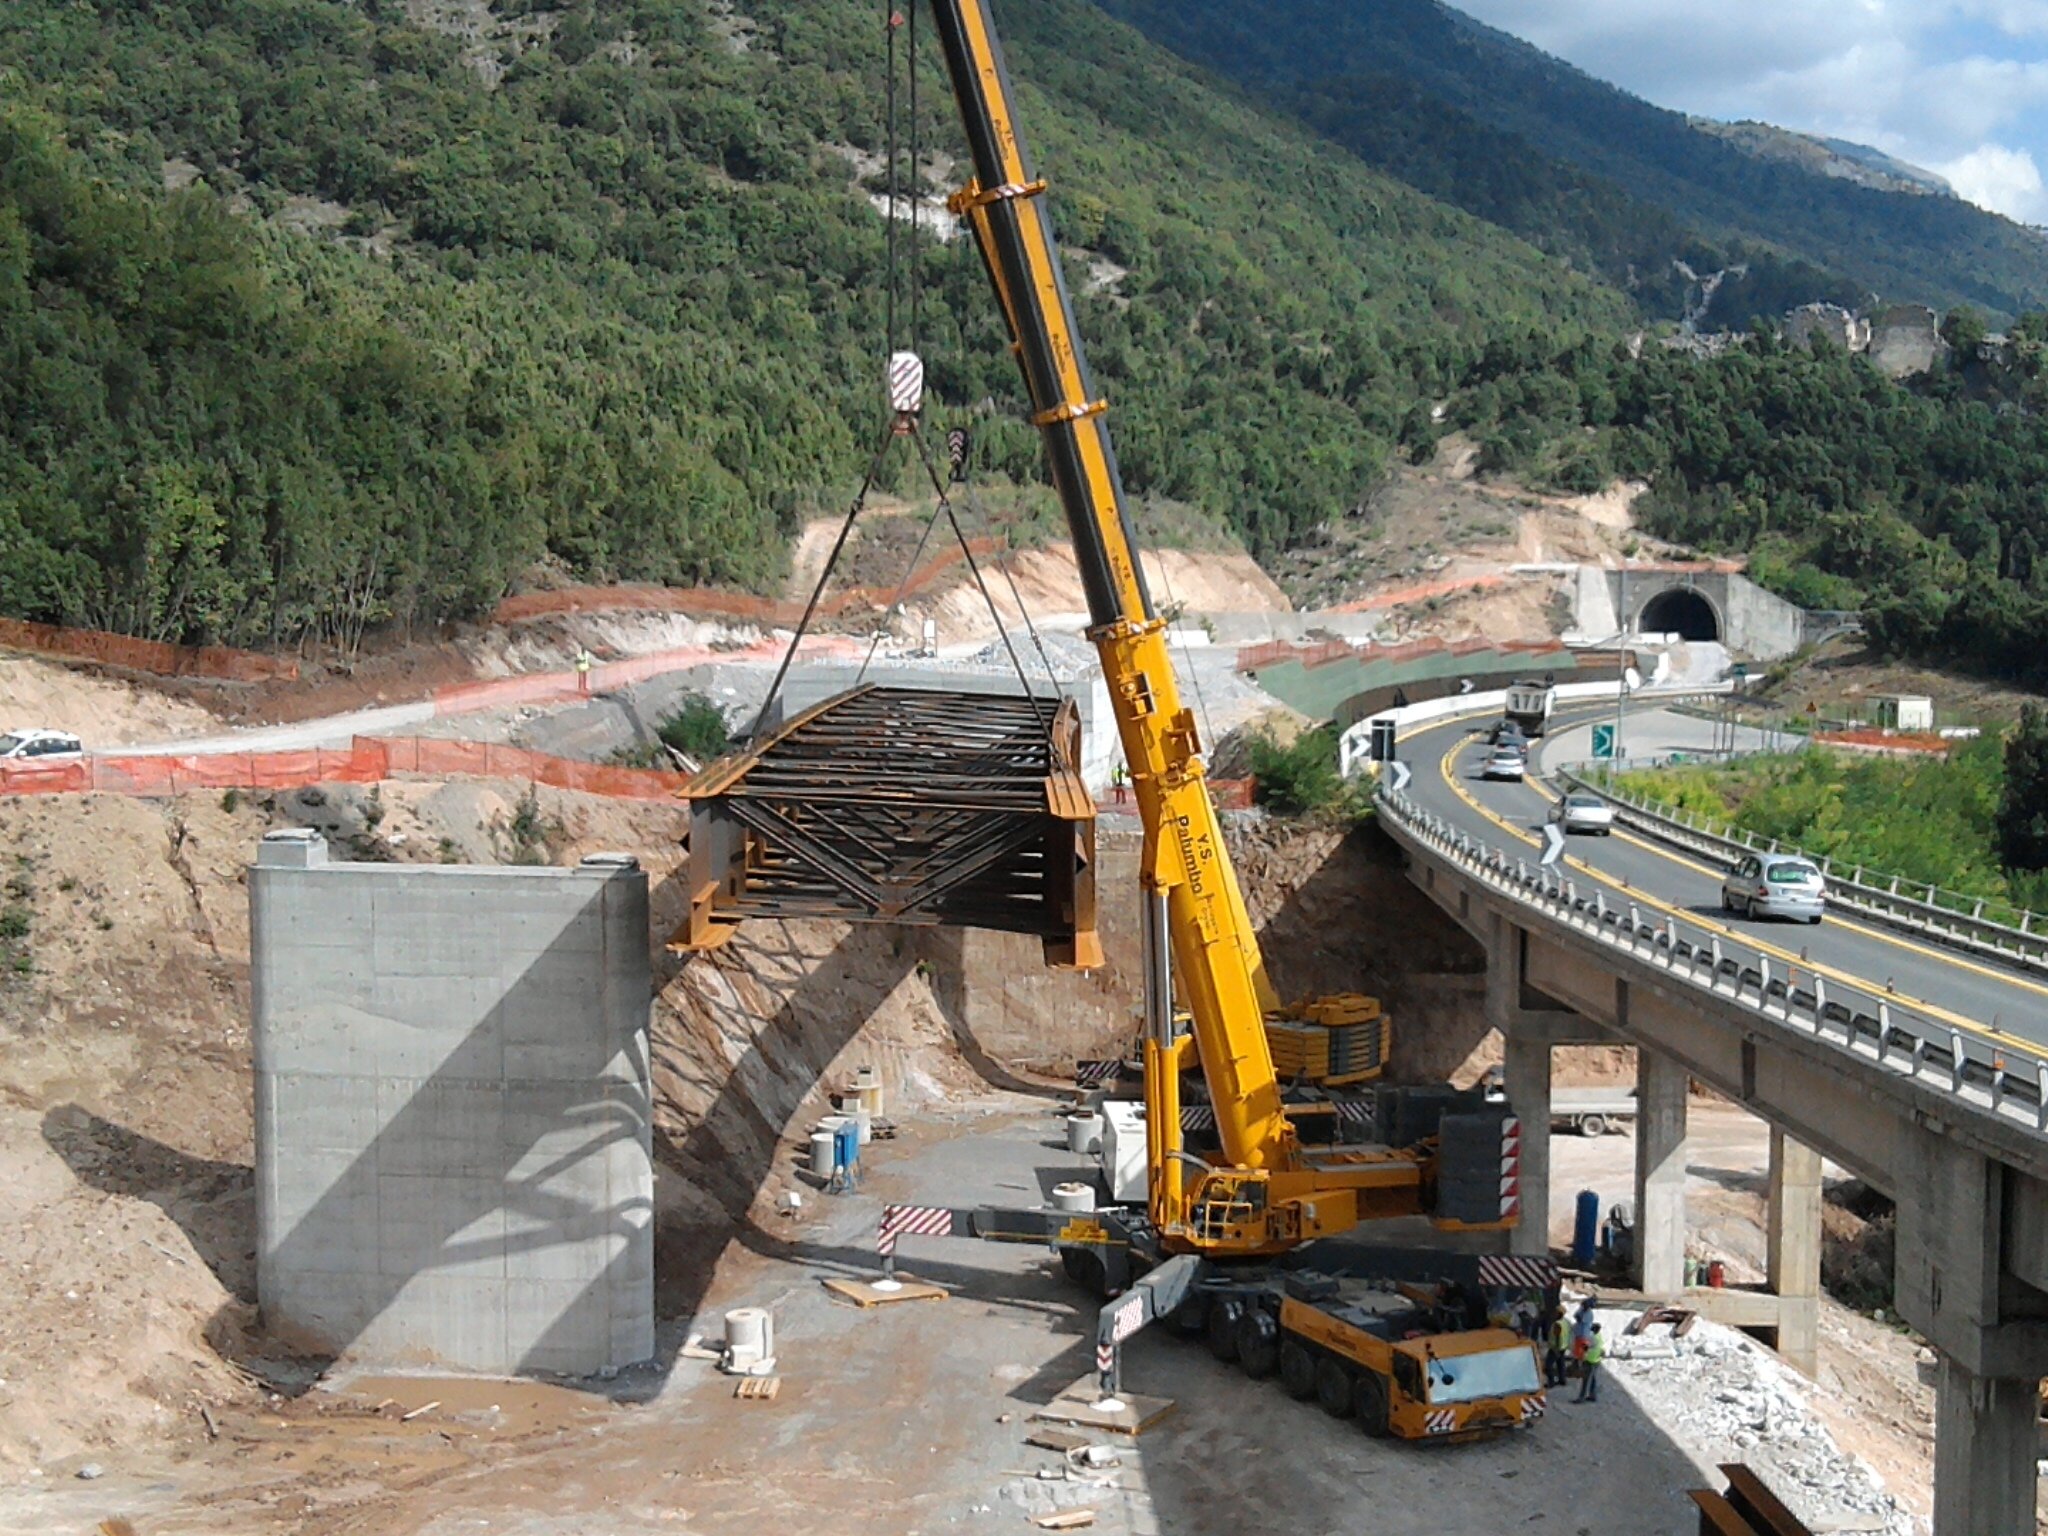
point(1085, 1268)
point(1297, 1370)
point(1191, 1318)
point(1258, 1342)
point(1334, 1388)
point(1372, 1403)
point(1225, 1312)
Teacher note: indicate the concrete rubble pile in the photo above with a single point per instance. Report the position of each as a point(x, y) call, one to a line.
point(1724, 1397)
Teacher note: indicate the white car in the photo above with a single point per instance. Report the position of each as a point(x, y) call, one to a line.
point(1580, 811)
point(1776, 886)
point(39, 746)
point(1505, 762)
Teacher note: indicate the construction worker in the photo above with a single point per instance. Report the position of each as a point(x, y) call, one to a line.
point(1119, 776)
point(1589, 1383)
point(584, 661)
point(1557, 1350)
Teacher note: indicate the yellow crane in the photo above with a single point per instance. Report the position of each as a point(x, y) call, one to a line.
point(1268, 1192)
point(1242, 1246)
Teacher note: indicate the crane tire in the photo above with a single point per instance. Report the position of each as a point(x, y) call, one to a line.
point(1297, 1369)
point(1372, 1403)
point(1258, 1342)
point(1191, 1318)
point(1335, 1389)
point(1224, 1313)
point(1085, 1268)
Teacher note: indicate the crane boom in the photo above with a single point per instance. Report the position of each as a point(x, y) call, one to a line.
point(1221, 974)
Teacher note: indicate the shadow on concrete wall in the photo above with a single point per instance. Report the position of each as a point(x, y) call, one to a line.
point(438, 1219)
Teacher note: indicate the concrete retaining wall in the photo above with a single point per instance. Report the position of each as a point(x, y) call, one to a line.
point(453, 1157)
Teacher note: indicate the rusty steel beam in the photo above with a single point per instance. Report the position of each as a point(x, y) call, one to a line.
point(902, 805)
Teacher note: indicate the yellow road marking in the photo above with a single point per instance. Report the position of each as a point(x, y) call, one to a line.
point(1644, 898)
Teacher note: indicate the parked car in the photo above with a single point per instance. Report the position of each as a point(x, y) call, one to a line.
point(1505, 762)
point(39, 746)
point(1774, 885)
point(1580, 811)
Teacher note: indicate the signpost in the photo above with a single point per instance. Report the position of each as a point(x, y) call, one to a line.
point(1553, 842)
point(1605, 738)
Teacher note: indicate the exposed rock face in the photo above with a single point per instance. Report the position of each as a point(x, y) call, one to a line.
point(1906, 340)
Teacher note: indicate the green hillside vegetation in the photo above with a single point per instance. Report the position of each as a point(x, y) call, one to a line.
point(1544, 149)
point(1935, 821)
point(606, 288)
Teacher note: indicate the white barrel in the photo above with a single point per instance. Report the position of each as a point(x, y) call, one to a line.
point(1074, 1196)
point(823, 1160)
point(866, 1123)
point(867, 1091)
point(1084, 1132)
point(749, 1337)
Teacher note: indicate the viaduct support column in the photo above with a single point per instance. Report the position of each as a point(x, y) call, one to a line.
point(1527, 1074)
point(1984, 1448)
point(1661, 1085)
point(1793, 1233)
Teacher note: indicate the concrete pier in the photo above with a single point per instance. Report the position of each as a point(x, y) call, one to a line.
point(1792, 1232)
point(1661, 1086)
point(1526, 1071)
point(453, 1150)
point(1984, 1449)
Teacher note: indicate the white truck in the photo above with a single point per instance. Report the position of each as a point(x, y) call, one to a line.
point(1591, 1111)
point(1528, 705)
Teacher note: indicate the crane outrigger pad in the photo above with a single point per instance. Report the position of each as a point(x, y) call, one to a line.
point(902, 805)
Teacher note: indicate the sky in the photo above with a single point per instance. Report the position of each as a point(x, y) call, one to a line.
point(1956, 86)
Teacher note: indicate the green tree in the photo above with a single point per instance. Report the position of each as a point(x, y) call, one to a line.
point(2023, 804)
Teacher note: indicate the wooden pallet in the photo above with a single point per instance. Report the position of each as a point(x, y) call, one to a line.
point(1076, 1406)
point(758, 1389)
point(862, 1293)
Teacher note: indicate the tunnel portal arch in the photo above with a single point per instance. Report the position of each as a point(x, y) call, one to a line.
point(1680, 611)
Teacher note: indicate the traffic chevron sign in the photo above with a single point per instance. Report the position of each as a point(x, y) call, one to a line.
point(1399, 773)
point(1553, 842)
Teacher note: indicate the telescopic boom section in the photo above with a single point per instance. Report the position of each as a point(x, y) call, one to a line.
point(1216, 957)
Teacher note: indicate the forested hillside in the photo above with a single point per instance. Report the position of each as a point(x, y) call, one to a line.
point(1924, 506)
point(1509, 133)
point(604, 282)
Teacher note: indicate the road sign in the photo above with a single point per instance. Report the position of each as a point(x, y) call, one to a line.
point(1604, 738)
point(1553, 842)
point(1400, 773)
point(1742, 672)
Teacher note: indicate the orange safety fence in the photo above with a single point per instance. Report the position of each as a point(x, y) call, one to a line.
point(1884, 741)
point(709, 602)
point(367, 760)
point(145, 655)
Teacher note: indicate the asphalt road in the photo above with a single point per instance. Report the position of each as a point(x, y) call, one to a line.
point(1950, 988)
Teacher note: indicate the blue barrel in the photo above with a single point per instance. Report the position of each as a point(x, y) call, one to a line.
point(1586, 1229)
point(846, 1146)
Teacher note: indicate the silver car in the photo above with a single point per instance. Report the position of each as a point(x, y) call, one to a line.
point(1583, 812)
point(1774, 885)
point(1505, 762)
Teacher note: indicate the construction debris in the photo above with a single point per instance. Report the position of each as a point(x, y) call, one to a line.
point(1066, 1520)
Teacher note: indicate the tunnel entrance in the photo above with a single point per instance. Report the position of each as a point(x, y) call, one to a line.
point(1681, 612)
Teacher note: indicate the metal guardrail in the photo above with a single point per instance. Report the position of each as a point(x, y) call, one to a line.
point(1936, 915)
point(2007, 1082)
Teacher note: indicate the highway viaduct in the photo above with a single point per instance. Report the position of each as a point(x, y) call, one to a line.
point(1921, 1071)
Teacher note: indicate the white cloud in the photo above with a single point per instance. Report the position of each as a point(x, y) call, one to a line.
point(2004, 180)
